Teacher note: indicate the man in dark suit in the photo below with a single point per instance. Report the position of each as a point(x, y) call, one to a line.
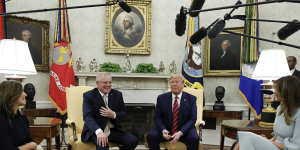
point(292, 61)
point(175, 117)
point(226, 60)
point(103, 107)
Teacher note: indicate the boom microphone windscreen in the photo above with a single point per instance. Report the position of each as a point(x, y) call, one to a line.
point(196, 5)
point(124, 6)
point(180, 22)
point(216, 29)
point(198, 36)
point(288, 29)
point(240, 17)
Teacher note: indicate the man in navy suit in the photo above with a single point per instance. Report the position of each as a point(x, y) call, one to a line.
point(292, 61)
point(103, 107)
point(175, 117)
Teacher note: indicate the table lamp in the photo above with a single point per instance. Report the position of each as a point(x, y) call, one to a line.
point(15, 59)
point(271, 65)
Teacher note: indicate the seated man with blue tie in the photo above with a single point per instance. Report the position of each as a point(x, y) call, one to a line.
point(175, 117)
point(103, 107)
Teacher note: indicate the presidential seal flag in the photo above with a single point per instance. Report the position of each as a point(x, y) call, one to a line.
point(62, 73)
point(192, 71)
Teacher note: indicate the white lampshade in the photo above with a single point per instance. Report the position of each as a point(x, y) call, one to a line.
point(271, 65)
point(15, 58)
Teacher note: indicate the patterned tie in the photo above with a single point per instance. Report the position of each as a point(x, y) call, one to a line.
point(107, 128)
point(175, 116)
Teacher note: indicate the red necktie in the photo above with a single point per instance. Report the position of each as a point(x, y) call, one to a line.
point(175, 116)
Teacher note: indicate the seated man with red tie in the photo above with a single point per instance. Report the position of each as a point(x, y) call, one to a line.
point(175, 117)
point(103, 107)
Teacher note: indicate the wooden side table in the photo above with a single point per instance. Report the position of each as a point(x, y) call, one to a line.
point(223, 114)
point(229, 128)
point(45, 131)
point(210, 117)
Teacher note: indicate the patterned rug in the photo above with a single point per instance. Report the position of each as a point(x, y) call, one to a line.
point(214, 147)
point(205, 147)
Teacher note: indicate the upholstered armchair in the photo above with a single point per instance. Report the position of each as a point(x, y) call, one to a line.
point(199, 123)
point(75, 121)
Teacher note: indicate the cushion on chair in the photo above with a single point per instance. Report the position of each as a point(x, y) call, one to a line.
point(177, 146)
point(78, 145)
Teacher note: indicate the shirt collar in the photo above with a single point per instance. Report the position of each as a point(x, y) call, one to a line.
point(292, 71)
point(102, 94)
point(179, 95)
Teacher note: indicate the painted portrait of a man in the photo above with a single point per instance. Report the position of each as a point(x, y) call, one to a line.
point(28, 33)
point(225, 52)
point(128, 28)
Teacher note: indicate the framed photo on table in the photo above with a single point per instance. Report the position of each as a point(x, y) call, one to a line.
point(36, 34)
point(223, 54)
point(129, 32)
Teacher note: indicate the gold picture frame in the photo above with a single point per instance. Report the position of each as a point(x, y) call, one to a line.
point(218, 63)
point(36, 33)
point(129, 32)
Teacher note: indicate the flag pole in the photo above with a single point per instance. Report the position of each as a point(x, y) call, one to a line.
point(4, 19)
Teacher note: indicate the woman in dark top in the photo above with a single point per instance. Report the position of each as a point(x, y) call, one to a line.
point(14, 126)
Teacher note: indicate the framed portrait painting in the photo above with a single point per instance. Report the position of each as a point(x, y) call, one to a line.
point(223, 54)
point(129, 32)
point(36, 34)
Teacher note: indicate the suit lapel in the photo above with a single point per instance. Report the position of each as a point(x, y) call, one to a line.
point(99, 99)
point(169, 107)
point(182, 106)
point(110, 97)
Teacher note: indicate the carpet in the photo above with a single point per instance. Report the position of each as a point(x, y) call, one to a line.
point(205, 147)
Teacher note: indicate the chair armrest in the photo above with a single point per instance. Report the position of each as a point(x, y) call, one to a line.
point(199, 126)
point(72, 125)
point(199, 122)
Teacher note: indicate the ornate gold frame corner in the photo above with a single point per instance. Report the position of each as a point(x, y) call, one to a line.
point(113, 45)
point(44, 66)
point(207, 54)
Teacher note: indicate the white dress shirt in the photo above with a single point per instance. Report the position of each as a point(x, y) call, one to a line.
point(100, 130)
point(292, 71)
point(178, 100)
point(173, 101)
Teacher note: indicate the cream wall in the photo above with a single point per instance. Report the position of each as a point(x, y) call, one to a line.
point(87, 28)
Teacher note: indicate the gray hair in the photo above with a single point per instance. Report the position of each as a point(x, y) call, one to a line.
point(27, 32)
point(101, 75)
point(130, 19)
point(176, 76)
point(227, 42)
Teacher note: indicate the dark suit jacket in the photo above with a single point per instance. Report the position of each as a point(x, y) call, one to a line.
point(187, 112)
point(296, 73)
point(227, 62)
point(92, 102)
point(14, 132)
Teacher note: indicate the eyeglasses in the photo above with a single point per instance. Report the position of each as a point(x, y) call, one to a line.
point(175, 82)
point(105, 82)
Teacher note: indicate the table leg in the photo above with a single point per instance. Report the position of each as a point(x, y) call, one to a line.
point(57, 142)
point(48, 143)
point(222, 138)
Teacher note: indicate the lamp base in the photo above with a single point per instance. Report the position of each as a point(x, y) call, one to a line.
point(267, 117)
point(265, 124)
point(15, 77)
